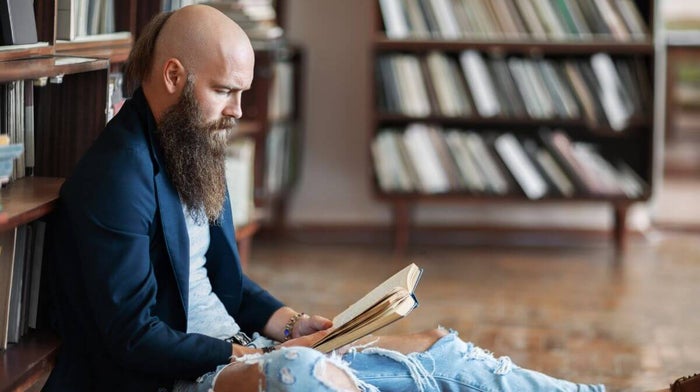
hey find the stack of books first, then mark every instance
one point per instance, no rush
(428, 159)
(560, 20)
(257, 17)
(600, 90)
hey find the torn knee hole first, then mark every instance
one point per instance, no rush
(335, 377)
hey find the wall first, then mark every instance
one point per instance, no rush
(334, 188)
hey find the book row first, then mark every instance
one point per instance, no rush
(82, 18)
(239, 170)
(601, 90)
(24, 247)
(618, 20)
(428, 159)
(17, 122)
(257, 17)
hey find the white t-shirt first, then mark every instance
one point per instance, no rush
(206, 313)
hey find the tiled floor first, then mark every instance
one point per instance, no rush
(580, 313)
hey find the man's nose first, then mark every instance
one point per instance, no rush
(233, 107)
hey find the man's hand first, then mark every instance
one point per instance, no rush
(307, 325)
(303, 325)
(307, 340)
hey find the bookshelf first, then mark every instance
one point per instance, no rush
(468, 97)
(682, 104)
(68, 80)
(68, 84)
(272, 105)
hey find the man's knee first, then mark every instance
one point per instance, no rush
(435, 334)
(336, 377)
(289, 369)
(240, 376)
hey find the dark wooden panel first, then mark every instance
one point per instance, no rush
(69, 116)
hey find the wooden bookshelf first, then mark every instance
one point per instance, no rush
(28, 199)
(24, 364)
(530, 47)
(68, 81)
(633, 145)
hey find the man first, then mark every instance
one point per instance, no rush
(149, 291)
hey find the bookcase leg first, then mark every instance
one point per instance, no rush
(402, 226)
(620, 228)
(279, 218)
(244, 246)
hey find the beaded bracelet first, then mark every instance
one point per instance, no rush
(268, 349)
(290, 325)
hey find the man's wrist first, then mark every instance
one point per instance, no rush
(238, 351)
(289, 327)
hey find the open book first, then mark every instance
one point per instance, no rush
(388, 302)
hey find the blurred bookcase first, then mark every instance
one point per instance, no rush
(484, 102)
(681, 23)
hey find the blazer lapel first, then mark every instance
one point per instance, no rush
(175, 234)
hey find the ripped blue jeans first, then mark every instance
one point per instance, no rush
(448, 365)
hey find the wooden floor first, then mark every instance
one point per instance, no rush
(581, 313)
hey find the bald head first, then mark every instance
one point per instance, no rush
(197, 35)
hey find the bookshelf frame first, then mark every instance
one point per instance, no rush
(640, 129)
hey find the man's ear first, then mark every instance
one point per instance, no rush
(174, 75)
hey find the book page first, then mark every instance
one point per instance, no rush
(395, 312)
(407, 279)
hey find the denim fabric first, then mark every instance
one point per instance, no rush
(451, 365)
(448, 365)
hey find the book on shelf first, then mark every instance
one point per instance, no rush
(394, 20)
(21, 256)
(17, 22)
(239, 160)
(480, 83)
(510, 97)
(616, 104)
(281, 165)
(17, 124)
(394, 169)
(521, 167)
(425, 158)
(390, 301)
(474, 179)
(450, 93)
(85, 20)
(281, 95)
(550, 168)
(257, 18)
(13, 327)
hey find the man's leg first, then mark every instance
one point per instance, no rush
(288, 369)
(438, 360)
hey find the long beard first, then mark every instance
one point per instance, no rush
(194, 156)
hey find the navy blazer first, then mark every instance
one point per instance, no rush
(120, 269)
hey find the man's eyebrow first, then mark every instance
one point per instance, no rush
(230, 87)
(224, 86)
